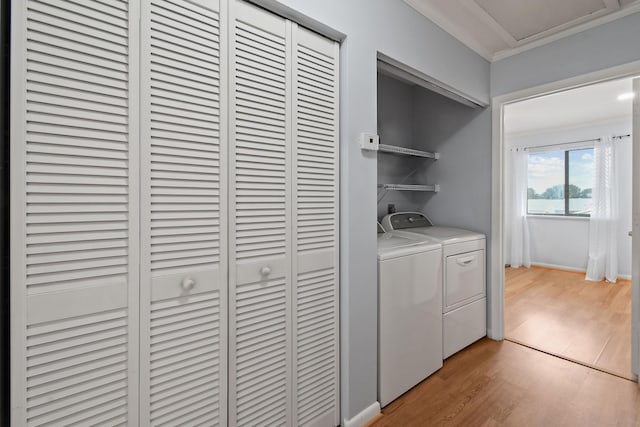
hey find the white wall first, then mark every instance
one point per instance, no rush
(559, 242)
(394, 29)
(564, 241)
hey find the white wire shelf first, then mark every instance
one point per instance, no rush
(411, 187)
(407, 151)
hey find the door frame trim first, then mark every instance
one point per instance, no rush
(495, 320)
(635, 231)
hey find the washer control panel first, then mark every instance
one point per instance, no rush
(404, 220)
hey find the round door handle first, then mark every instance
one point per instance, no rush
(265, 271)
(188, 284)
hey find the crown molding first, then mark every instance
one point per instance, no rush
(629, 10)
(488, 20)
(441, 21)
(468, 40)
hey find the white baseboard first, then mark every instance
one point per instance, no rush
(579, 270)
(363, 416)
(558, 267)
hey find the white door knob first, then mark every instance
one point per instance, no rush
(188, 284)
(265, 271)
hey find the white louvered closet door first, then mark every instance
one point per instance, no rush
(74, 214)
(183, 338)
(315, 154)
(283, 223)
(260, 219)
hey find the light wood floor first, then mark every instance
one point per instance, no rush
(506, 384)
(561, 313)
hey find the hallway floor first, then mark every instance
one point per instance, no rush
(495, 383)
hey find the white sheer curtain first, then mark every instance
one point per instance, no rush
(603, 248)
(520, 252)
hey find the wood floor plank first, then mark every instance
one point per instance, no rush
(495, 383)
(561, 313)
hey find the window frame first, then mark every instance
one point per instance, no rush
(566, 150)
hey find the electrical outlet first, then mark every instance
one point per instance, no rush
(369, 141)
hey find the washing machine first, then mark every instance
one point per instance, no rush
(409, 312)
(464, 303)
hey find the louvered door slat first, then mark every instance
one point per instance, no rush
(260, 334)
(75, 145)
(183, 289)
(75, 212)
(316, 266)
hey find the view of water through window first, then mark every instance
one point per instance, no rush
(548, 180)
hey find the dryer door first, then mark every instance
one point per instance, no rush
(464, 279)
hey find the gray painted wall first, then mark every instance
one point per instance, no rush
(396, 127)
(411, 116)
(462, 136)
(394, 29)
(606, 46)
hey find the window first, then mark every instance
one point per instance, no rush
(560, 182)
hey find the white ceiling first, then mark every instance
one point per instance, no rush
(592, 104)
(498, 28)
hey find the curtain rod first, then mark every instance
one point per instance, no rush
(576, 142)
(564, 143)
(621, 136)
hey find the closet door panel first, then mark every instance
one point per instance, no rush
(74, 208)
(184, 283)
(260, 219)
(316, 229)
